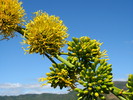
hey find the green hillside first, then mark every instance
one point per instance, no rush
(47, 96)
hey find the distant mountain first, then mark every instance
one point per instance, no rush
(69, 96)
(120, 84)
(44, 96)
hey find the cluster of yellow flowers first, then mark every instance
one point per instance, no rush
(45, 34)
(11, 15)
(58, 77)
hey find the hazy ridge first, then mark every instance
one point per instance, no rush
(69, 96)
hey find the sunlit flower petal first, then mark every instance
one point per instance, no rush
(11, 15)
(45, 34)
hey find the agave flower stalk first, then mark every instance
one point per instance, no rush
(86, 65)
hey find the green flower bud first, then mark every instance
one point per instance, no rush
(110, 84)
(52, 72)
(84, 51)
(87, 39)
(86, 92)
(56, 69)
(94, 50)
(77, 89)
(81, 82)
(84, 84)
(74, 49)
(94, 78)
(54, 65)
(109, 65)
(102, 92)
(48, 74)
(51, 68)
(92, 93)
(88, 55)
(96, 94)
(109, 69)
(92, 72)
(98, 88)
(79, 64)
(109, 76)
(78, 94)
(106, 80)
(128, 86)
(94, 83)
(84, 68)
(71, 43)
(69, 48)
(76, 40)
(92, 45)
(104, 86)
(80, 98)
(87, 76)
(90, 84)
(102, 98)
(102, 61)
(130, 83)
(89, 88)
(100, 81)
(80, 91)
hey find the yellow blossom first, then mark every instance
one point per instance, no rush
(45, 34)
(11, 15)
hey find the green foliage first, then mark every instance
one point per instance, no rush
(45, 96)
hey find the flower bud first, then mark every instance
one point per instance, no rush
(89, 88)
(104, 86)
(86, 92)
(98, 87)
(96, 94)
(76, 40)
(80, 98)
(80, 81)
(48, 74)
(102, 98)
(77, 89)
(70, 48)
(51, 68)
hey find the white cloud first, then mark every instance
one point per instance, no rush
(18, 89)
(10, 86)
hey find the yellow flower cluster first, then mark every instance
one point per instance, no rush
(11, 14)
(59, 76)
(58, 79)
(45, 34)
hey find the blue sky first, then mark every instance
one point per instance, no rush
(110, 21)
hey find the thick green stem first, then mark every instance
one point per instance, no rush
(64, 61)
(19, 29)
(50, 58)
(121, 98)
(63, 53)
